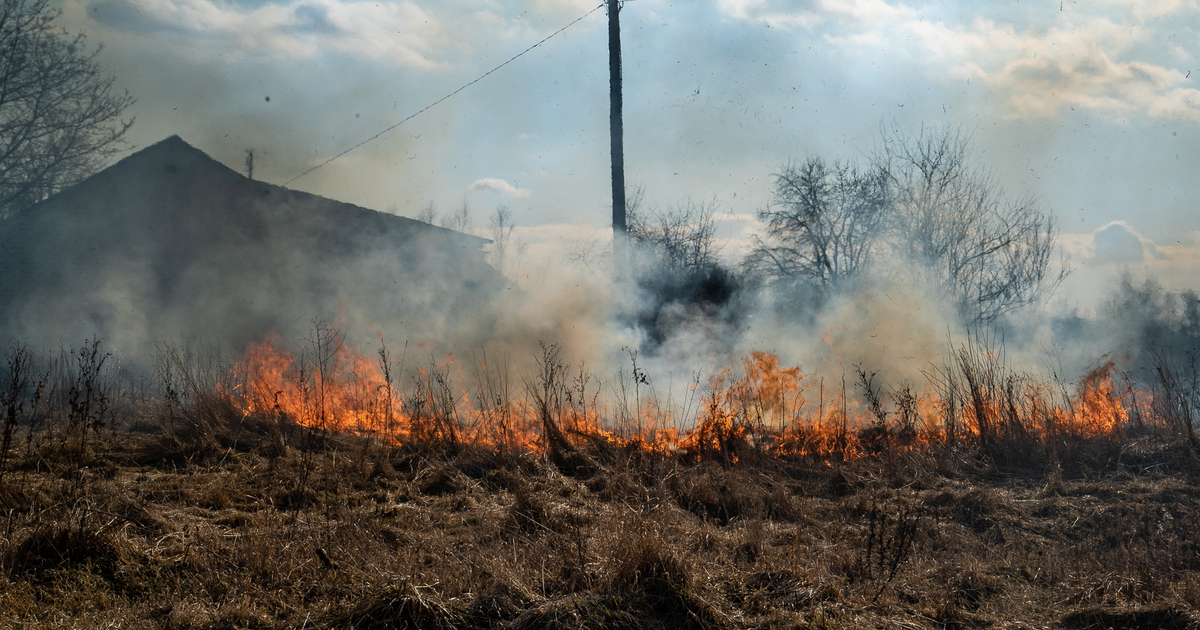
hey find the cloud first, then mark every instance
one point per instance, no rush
(813, 13)
(1060, 70)
(1110, 57)
(1119, 244)
(1097, 63)
(398, 33)
(499, 186)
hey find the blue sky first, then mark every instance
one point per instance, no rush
(1092, 106)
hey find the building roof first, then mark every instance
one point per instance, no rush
(170, 242)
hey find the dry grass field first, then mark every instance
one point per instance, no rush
(191, 508)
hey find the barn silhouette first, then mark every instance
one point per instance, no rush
(169, 243)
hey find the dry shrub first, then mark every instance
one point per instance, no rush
(648, 576)
(710, 492)
(503, 479)
(209, 430)
(646, 565)
(763, 592)
(476, 461)
(1165, 618)
(976, 508)
(583, 610)
(501, 601)
(13, 497)
(382, 471)
(441, 481)
(135, 515)
(751, 542)
(530, 512)
(620, 486)
(296, 499)
(238, 618)
(884, 544)
(60, 546)
(967, 588)
(406, 607)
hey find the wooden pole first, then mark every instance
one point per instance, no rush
(616, 136)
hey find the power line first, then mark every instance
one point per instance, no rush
(435, 103)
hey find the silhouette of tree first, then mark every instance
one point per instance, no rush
(922, 212)
(675, 255)
(825, 224)
(60, 119)
(967, 238)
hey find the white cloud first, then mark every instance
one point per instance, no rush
(1105, 56)
(499, 186)
(399, 33)
(812, 13)
(1118, 243)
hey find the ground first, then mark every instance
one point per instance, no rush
(146, 527)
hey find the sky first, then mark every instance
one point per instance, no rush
(1092, 107)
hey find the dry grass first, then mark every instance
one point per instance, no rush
(394, 538)
(184, 512)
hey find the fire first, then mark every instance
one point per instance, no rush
(340, 390)
(760, 405)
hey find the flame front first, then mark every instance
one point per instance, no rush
(759, 405)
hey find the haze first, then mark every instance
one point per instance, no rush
(1092, 106)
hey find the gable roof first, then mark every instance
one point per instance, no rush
(170, 242)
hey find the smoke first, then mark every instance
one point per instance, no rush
(169, 244)
(172, 246)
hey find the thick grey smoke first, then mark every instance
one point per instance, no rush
(169, 244)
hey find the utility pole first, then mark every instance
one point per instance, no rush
(616, 135)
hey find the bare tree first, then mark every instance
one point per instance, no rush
(969, 240)
(60, 119)
(825, 225)
(505, 248)
(681, 239)
(677, 268)
(461, 219)
(921, 210)
(429, 214)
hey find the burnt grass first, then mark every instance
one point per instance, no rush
(138, 530)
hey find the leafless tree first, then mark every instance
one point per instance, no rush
(60, 118)
(825, 225)
(921, 209)
(681, 239)
(461, 220)
(505, 248)
(989, 252)
(429, 214)
(678, 269)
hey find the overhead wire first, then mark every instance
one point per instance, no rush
(440, 100)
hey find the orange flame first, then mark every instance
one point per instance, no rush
(763, 407)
